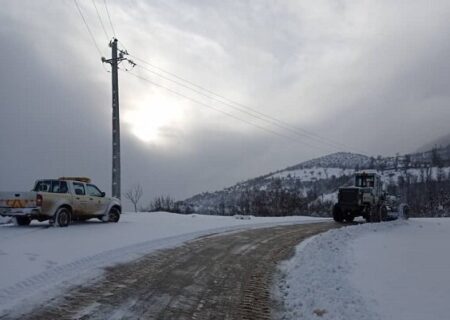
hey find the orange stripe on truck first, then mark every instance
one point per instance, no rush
(16, 203)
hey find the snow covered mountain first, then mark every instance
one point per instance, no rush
(279, 192)
(311, 187)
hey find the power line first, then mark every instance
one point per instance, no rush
(235, 105)
(100, 19)
(109, 18)
(256, 115)
(230, 103)
(245, 109)
(224, 98)
(223, 112)
(88, 29)
(215, 109)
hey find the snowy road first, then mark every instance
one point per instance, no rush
(225, 276)
(38, 262)
(396, 270)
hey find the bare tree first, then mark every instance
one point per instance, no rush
(134, 195)
(163, 203)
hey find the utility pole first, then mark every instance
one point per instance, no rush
(116, 57)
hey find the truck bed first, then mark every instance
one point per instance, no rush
(10, 200)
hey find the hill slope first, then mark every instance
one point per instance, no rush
(311, 187)
(344, 160)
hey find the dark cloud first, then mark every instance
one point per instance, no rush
(373, 75)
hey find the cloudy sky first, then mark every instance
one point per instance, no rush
(366, 76)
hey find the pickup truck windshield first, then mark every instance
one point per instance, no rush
(92, 190)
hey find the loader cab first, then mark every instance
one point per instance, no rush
(369, 180)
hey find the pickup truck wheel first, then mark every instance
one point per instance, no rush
(62, 217)
(22, 221)
(114, 215)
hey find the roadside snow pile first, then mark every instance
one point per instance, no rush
(405, 271)
(38, 258)
(4, 220)
(242, 217)
(395, 270)
(315, 282)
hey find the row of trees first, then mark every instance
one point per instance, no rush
(279, 197)
(437, 157)
(426, 190)
(427, 194)
(277, 200)
(161, 203)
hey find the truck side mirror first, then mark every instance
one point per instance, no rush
(103, 194)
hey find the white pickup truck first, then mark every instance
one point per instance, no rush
(60, 201)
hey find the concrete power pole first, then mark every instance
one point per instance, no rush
(116, 57)
(115, 122)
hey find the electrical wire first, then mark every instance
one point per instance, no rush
(100, 20)
(243, 108)
(88, 29)
(224, 112)
(257, 115)
(109, 18)
(213, 95)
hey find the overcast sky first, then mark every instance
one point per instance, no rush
(371, 75)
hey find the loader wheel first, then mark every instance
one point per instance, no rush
(367, 214)
(383, 214)
(374, 214)
(337, 213)
(62, 217)
(22, 221)
(349, 217)
(405, 212)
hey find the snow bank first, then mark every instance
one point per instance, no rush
(37, 258)
(4, 220)
(405, 271)
(396, 270)
(315, 283)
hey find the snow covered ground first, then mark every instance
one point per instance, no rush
(42, 259)
(396, 270)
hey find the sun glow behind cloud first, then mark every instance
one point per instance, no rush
(153, 118)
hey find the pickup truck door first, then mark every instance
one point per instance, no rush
(81, 202)
(98, 203)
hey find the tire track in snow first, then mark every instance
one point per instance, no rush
(58, 278)
(203, 279)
